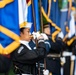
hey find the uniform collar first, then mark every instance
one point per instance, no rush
(26, 43)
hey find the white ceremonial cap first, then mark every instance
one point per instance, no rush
(26, 25)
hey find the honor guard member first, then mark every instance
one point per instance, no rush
(67, 53)
(53, 53)
(24, 57)
(41, 64)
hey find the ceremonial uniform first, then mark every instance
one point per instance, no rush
(24, 58)
(68, 54)
(53, 53)
(66, 67)
(53, 58)
(32, 44)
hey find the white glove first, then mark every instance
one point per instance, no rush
(63, 59)
(44, 36)
(73, 57)
(45, 72)
(36, 35)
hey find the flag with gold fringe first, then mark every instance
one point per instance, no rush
(33, 14)
(64, 17)
(9, 26)
(51, 13)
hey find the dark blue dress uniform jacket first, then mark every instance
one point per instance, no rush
(26, 59)
(53, 63)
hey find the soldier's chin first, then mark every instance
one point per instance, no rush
(31, 36)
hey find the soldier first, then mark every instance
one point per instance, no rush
(24, 57)
(67, 53)
(53, 53)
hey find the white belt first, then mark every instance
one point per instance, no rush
(53, 55)
(67, 53)
(24, 74)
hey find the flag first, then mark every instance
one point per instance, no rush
(4, 3)
(72, 25)
(52, 16)
(45, 5)
(55, 14)
(23, 11)
(36, 8)
(63, 18)
(9, 26)
(31, 16)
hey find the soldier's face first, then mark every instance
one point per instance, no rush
(47, 31)
(25, 35)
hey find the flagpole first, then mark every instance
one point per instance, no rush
(72, 61)
(35, 31)
(41, 22)
(41, 19)
(69, 11)
(34, 19)
(34, 15)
